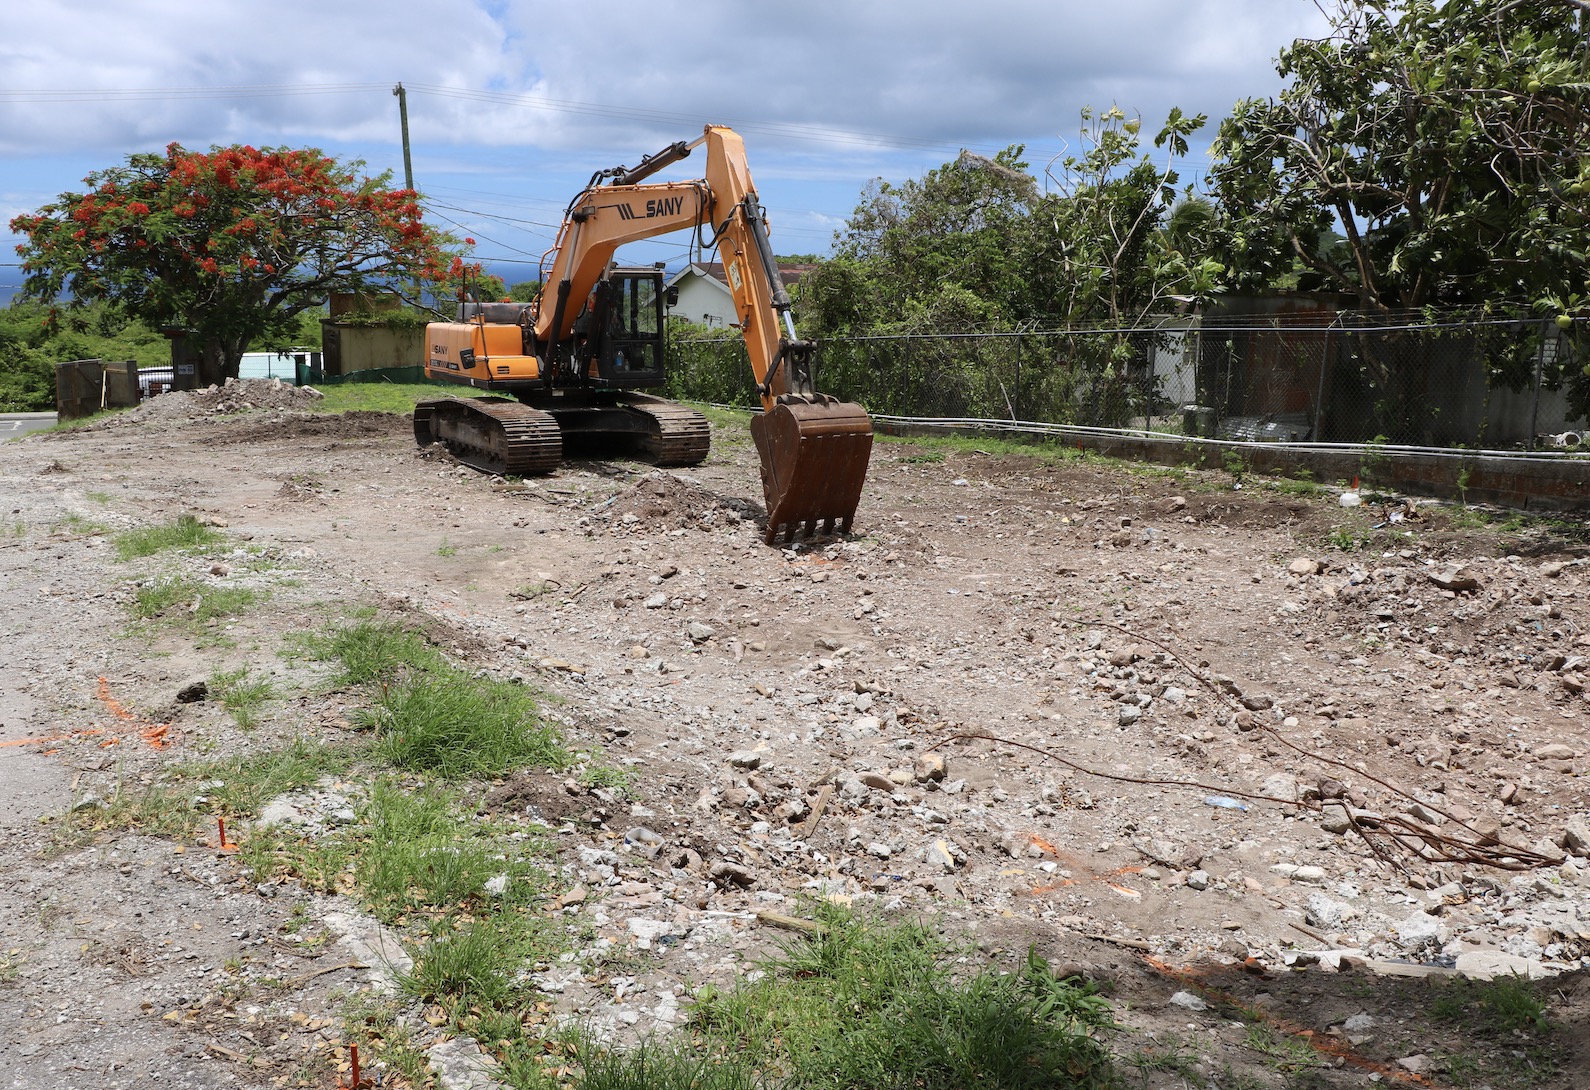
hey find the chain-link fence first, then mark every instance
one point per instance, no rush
(1330, 377)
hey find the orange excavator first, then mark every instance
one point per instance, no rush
(574, 361)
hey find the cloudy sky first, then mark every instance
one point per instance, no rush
(514, 103)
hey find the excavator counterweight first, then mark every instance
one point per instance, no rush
(576, 358)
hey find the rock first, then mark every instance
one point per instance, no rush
(1125, 657)
(1488, 964)
(461, 1064)
(866, 726)
(1554, 751)
(1188, 1001)
(1326, 912)
(746, 758)
(575, 895)
(1459, 579)
(929, 768)
(1417, 1064)
(656, 601)
(1281, 787)
(945, 854)
(877, 781)
(1257, 702)
(88, 802)
(193, 691)
(1576, 837)
(1420, 930)
(1198, 879)
(1334, 819)
(728, 874)
(699, 633)
(647, 932)
(1128, 714)
(1303, 566)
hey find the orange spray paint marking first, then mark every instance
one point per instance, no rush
(156, 735)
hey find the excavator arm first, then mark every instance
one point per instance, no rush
(813, 449)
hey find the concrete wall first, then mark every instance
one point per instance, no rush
(1533, 483)
(348, 348)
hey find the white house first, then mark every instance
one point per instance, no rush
(704, 292)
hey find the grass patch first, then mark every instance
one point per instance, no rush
(186, 532)
(454, 725)
(609, 777)
(1045, 451)
(1503, 1005)
(371, 651)
(241, 695)
(446, 548)
(421, 857)
(185, 599)
(384, 397)
(878, 1005)
(77, 524)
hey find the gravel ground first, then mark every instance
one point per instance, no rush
(1187, 738)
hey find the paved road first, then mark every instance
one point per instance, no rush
(15, 424)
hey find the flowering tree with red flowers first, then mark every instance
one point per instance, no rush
(231, 244)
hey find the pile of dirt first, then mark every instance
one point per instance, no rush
(663, 501)
(234, 396)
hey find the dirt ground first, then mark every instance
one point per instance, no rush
(1270, 769)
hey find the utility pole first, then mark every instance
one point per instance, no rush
(403, 115)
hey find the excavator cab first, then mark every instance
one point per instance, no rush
(627, 307)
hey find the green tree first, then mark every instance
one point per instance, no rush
(34, 337)
(1096, 252)
(233, 244)
(1445, 141)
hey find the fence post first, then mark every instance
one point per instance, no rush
(1319, 393)
(1534, 406)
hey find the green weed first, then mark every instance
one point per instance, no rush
(874, 1005)
(1348, 539)
(1505, 1004)
(374, 651)
(446, 548)
(241, 695)
(420, 855)
(184, 599)
(186, 532)
(454, 725)
(78, 525)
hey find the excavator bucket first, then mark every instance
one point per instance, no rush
(814, 462)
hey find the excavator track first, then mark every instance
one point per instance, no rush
(491, 434)
(680, 436)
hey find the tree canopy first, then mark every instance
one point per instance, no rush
(978, 244)
(231, 244)
(1445, 141)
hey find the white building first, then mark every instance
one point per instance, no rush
(704, 296)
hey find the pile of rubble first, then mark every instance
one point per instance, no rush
(234, 396)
